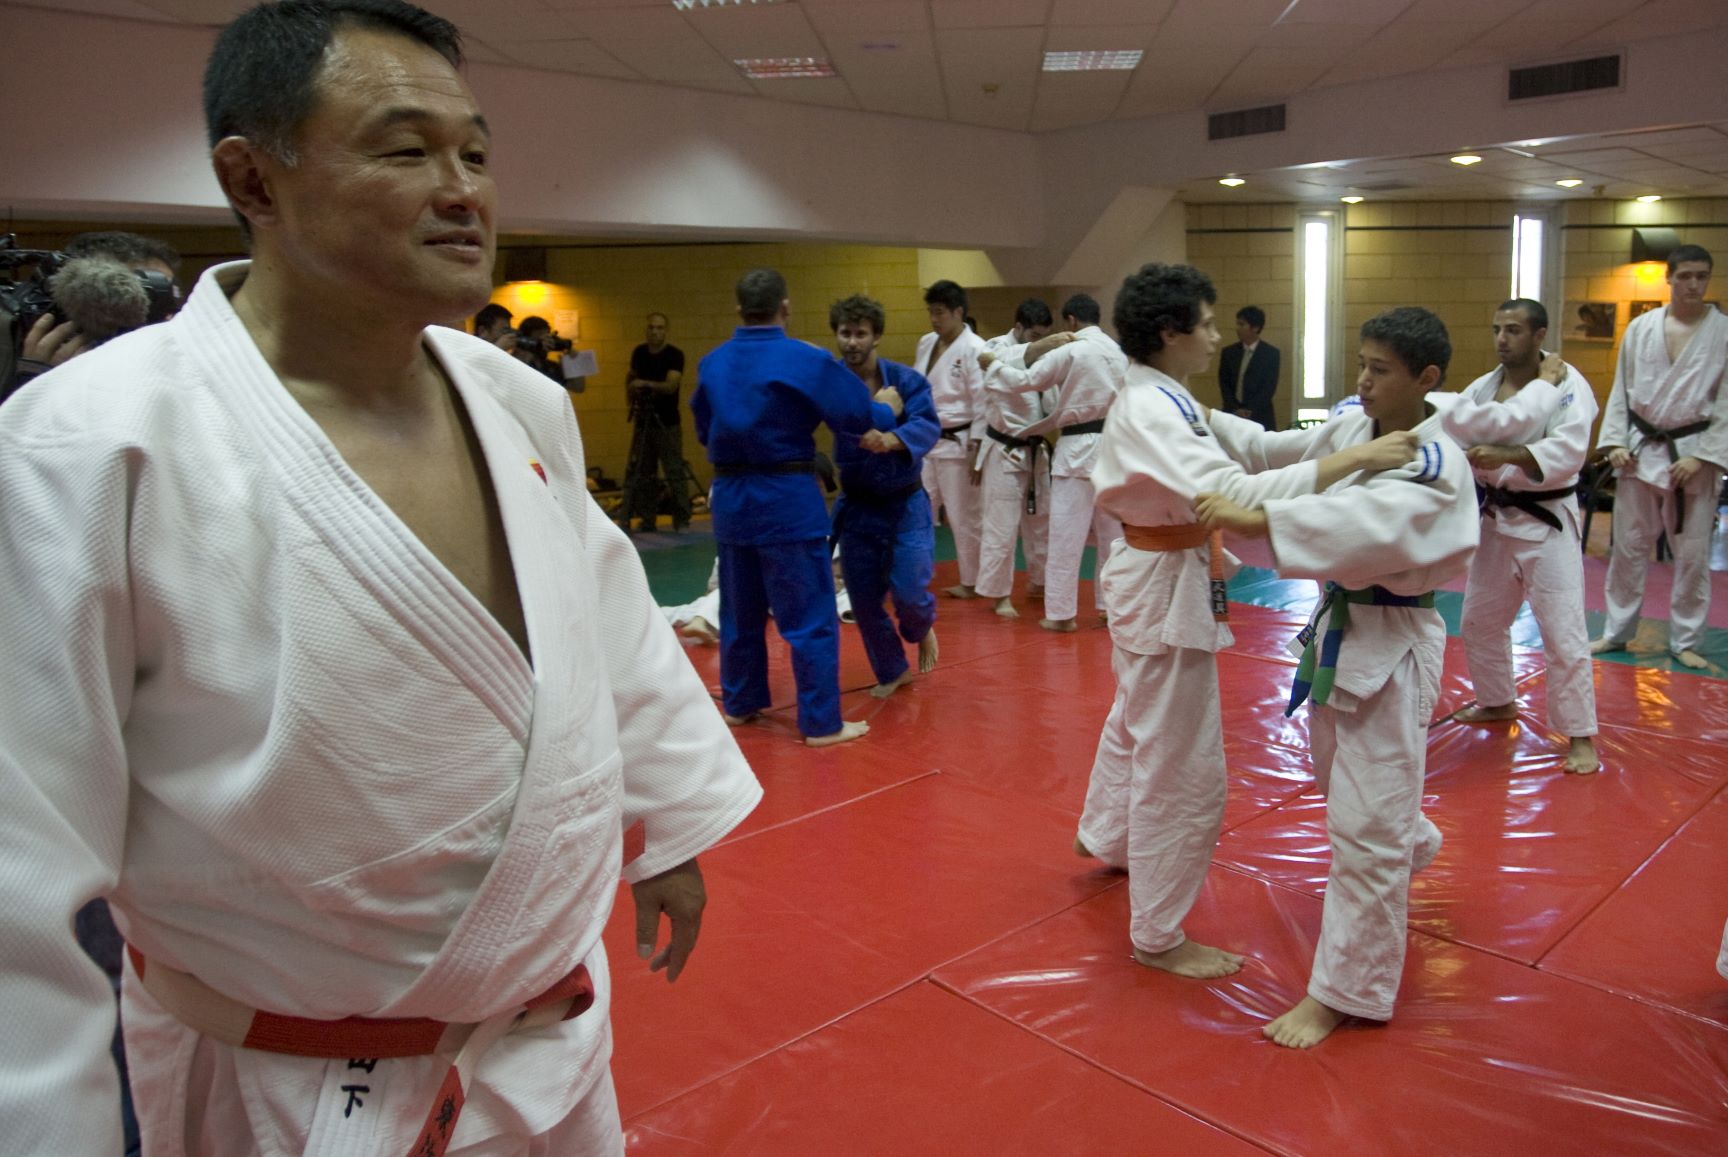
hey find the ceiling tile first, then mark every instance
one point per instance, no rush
(1096, 37)
(757, 31)
(1068, 99)
(578, 56)
(872, 16)
(1106, 12)
(989, 13)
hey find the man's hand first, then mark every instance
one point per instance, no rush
(506, 340)
(1553, 369)
(986, 360)
(1684, 469)
(1215, 511)
(1387, 452)
(679, 893)
(1244, 412)
(1619, 456)
(1045, 344)
(881, 442)
(890, 397)
(51, 345)
(1487, 457)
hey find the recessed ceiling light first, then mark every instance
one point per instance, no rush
(1466, 159)
(1650, 198)
(1569, 183)
(784, 67)
(1231, 182)
(1104, 60)
(1351, 200)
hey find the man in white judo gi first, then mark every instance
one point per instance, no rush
(327, 670)
(1666, 434)
(1085, 373)
(1013, 470)
(1155, 799)
(947, 356)
(1372, 659)
(1526, 429)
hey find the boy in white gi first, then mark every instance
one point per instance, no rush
(1155, 800)
(1527, 439)
(1380, 543)
(324, 667)
(1084, 372)
(1666, 434)
(947, 356)
(1013, 470)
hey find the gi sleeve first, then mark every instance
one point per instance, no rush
(66, 646)
(1491, 423)
(1258, 448)
(919, 427)
(1565, 444)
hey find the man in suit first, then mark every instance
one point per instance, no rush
(1248, 370)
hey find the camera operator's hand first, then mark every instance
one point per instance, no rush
(48, 345)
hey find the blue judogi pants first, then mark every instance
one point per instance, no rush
(795, 580)
(885, 551)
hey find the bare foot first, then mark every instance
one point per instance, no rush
(1476, 713)
(701, 630)
(740, 720)
(1692, 659)
(854, 729)
(1063, 625)
(928, 652)
(883, 690)
(1199, 961)
(1581, 756)
(1304, 1026)
(1080, 849)
(1605, 644)
(1005, 608)
(960, 591)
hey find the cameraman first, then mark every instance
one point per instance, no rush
(534, 343)
(51, 341)
(656, 370)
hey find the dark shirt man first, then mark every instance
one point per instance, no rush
(656, 372)
(1248, 371)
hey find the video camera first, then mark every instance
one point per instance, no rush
(542, 344)
(28, 298)
(100, 295)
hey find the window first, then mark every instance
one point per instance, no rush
(1319, 266)
(1527, 256)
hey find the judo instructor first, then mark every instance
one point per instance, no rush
(324, 668)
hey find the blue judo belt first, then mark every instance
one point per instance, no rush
(1318, 667)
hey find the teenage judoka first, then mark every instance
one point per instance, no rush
(882, 518)
(1085, 374)
(758, 401)
(947, 356)
(327, 672)
(1013, 470)
(1380, 543)
(1155, 799)
(1665, 430)
(1527, 439)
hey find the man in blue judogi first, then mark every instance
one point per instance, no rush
(882, 521)
(759, 399)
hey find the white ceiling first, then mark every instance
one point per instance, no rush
(978, 62)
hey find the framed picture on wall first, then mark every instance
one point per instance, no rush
(1640, 308)
(1590, 320)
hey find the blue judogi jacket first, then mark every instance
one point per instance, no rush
(863, 474)
(757, 402)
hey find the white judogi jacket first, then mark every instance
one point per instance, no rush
(957, 388)
(1408, 530)
(1086, 374)
(1669, 394)
(1011, 413)
(245, 703)
(1553, 422)
(1156, 453)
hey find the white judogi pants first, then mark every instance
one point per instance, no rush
(1722, 957)
(1074, 514)
(1550, 574)
(1641, 512)
(948, 482)
(1005, 518)
(1369, 763)
(1155, 802)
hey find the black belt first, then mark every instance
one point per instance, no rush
(1668, 438)
(1493, 498)
(1033, 444)
(882, 497)
(1096, 426)
(740, 469)
(952, 433)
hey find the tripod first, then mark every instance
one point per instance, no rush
(654, 446)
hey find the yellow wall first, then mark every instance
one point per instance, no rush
(1249, 252)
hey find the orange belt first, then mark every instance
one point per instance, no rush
(1186, 536)
(203, 1009)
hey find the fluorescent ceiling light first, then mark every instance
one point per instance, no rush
(1104, 60)
(784, 67)
(1231, 182)
(1466, 159)
(1650, 198)
(1569, 183)
(687, 5)
(1351, 200)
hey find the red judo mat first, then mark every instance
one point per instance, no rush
(902, 955)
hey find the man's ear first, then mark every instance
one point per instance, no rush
(243, 171)
(1429, 379)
